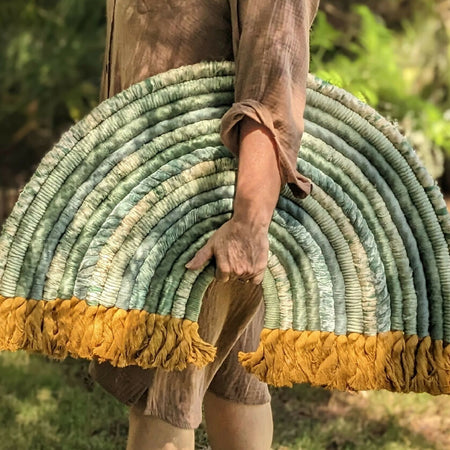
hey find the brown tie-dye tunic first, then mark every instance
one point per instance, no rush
(269, 42)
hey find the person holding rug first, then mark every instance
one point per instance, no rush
(269, 42)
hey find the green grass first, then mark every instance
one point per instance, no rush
(312, 418)
(48, 405)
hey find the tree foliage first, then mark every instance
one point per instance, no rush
(51, 53)
(402, 71)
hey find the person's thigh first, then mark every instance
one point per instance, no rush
(231, 381)
(176, 397)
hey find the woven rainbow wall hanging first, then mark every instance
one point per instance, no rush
(357, 291)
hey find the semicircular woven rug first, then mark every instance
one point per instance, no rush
(358, 282)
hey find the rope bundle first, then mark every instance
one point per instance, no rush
(358, 281)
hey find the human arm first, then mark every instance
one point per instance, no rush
(271, 46)
(263, 128)
(241, 245)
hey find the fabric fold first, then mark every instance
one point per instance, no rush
(300, 185)
(270, 77)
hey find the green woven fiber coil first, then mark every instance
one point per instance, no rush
(126, 197)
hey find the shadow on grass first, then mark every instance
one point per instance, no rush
(313, 418)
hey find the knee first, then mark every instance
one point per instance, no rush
(238, 426)
(151, 433)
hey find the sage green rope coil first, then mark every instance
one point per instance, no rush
(131, 192)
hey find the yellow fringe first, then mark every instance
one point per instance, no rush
(354, 362)
(61, 328)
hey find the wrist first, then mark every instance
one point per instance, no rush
(252, 212)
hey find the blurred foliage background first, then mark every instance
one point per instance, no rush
(51, 55)
(394, 54)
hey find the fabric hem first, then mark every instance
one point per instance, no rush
(299, 185)
(239, 401)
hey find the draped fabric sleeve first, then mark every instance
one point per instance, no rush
(271, 52)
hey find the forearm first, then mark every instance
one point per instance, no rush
(240, 246)
(259, 181)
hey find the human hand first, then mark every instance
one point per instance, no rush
(240, 250)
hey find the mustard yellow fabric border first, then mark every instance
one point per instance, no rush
(60, 328)
(355, 362)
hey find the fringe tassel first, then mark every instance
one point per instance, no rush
(60, 328)
(354, 362)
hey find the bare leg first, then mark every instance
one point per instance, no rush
(236, 426)
(151, 433)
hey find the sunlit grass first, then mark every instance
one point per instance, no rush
(48, 405)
